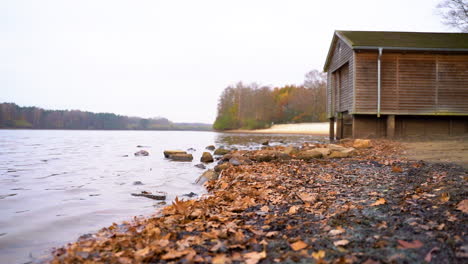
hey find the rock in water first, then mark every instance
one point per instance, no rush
(137, 183)
(362, 143)
(181, 157)
(206, 157)
(157, 196)
(142, 153)
(167, 153)
(200, 166)
(221, 151)
(222, 166)
(266, 143)
(207, 176)
(210, 147)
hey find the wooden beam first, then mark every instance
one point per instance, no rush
(332, 129)
(390, 126)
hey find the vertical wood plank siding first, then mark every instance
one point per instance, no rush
(412, 83)
(340, 71)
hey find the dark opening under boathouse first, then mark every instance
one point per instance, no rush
(397, 84)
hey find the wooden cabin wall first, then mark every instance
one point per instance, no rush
(412, 83)
(340, 79)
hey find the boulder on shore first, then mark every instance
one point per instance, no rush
(221, 151)
(342, 153)
(325, 151)
(210, 147)
(207, 176)
(141, 153)
(181, 157)
(362, 143)
(206, 157)
(309, 155)
(222, 166)
(167, 153)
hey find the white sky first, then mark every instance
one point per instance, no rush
(173, 58)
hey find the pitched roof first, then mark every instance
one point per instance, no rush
(423, 41)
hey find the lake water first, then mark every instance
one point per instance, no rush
(56, 185)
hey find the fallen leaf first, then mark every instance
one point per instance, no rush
(318, 254)
(406, 245)
(463, 206)
(219, 259)
(397, 169)
(380, 201)
(293, 209)
(265, 209)
(298, 245)
(428, 257)
(370, 261)
(337, 231)
(445, 197)
(342, 242)
(307, 197)
(254, 257)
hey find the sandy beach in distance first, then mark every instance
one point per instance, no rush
(319, 128)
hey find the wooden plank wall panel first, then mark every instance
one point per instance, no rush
(453, 84)
(412, 83)
(366, 82)
(342, 54)
(417, 83)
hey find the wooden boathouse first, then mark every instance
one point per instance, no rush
(397, 84)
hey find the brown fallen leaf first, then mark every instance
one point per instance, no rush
(318, 254)
(308, 197)
(428, 257)
(463, 206)
(397, 169)
(298, 245)
(265, 209)
(254, 257)
(342, 242)
(445, 197)
(380, 201)
(293, 209)
(337, 231)
(371, 261)
(406, 245)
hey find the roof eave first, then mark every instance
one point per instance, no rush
(407, 48)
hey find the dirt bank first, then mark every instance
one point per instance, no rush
(302, 128)
(374, 207)
(453, 150)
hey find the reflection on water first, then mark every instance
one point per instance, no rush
(57, 185)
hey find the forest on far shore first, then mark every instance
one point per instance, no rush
(14, 116)
(253, 106)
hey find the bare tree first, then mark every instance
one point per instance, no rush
(455, 13)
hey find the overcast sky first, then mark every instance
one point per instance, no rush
(173, 58)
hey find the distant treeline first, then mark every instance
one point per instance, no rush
(253, 106)
(14, 116)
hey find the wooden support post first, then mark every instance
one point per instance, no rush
(390, 126)
(339, 127)
(332, 129)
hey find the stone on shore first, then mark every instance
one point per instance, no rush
(210, 147)
(141, 153)
(181, 157)
(207, 176)
(221, 151)
(167, 153)
(309, 155)
(222, 166)
(362, 143)
(206, 157)
(290, 150)
(325, 151)
(343, 153)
